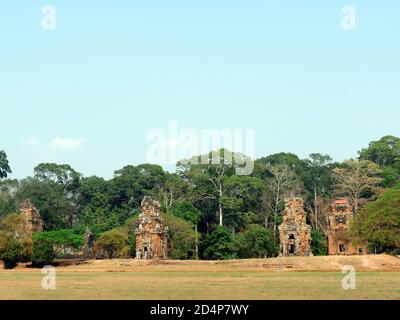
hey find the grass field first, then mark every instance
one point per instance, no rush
(250, 279)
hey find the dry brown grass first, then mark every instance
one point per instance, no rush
(294, 264)
(283, 278)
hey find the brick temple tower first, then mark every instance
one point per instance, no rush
(32, 216)
(294, 232)
(151, 235)
(339, 240)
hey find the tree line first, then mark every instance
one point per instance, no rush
(212, 212)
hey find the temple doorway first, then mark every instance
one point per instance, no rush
(292, 245)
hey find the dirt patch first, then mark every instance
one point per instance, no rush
(384, 263)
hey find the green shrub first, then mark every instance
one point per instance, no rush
(218, 245)
(181, 237)
(114, 243)
(12, 255)
(319, 244)
(132, 245)
(256, 242)
(15, 241)
(43, 254)
(60, 240)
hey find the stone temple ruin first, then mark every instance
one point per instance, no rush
(339, 240)
(151, 235)
(294, 232)
(35, 222)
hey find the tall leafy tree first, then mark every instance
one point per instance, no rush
(292, 161)
(95, 211)
(98, 220)
(319, 244)
(182, 237)
(4, 165)
(131, 183)
(49, 197)
(66, 179)
(355, 178)
(281, 173)
(241, 201)
(378, 223)
(318, 178)
(62, 174)
(385, 153)
(281, 181)
(8, 202)
(172, 191)
(207, 175)
(185, 210)
(93, 191)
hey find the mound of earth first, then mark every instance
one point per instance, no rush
(290, 264)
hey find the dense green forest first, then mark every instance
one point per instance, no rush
(212, 213)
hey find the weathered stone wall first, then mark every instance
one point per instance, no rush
(339, 240)
(151, 235)
(294, 233)
(32, 216)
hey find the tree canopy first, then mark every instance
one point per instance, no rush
(355, 178)
(4, 165)
(386, 154)
(378, 223)
(212, 209)
(15, 240)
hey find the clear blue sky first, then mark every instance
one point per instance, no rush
(88, 92)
